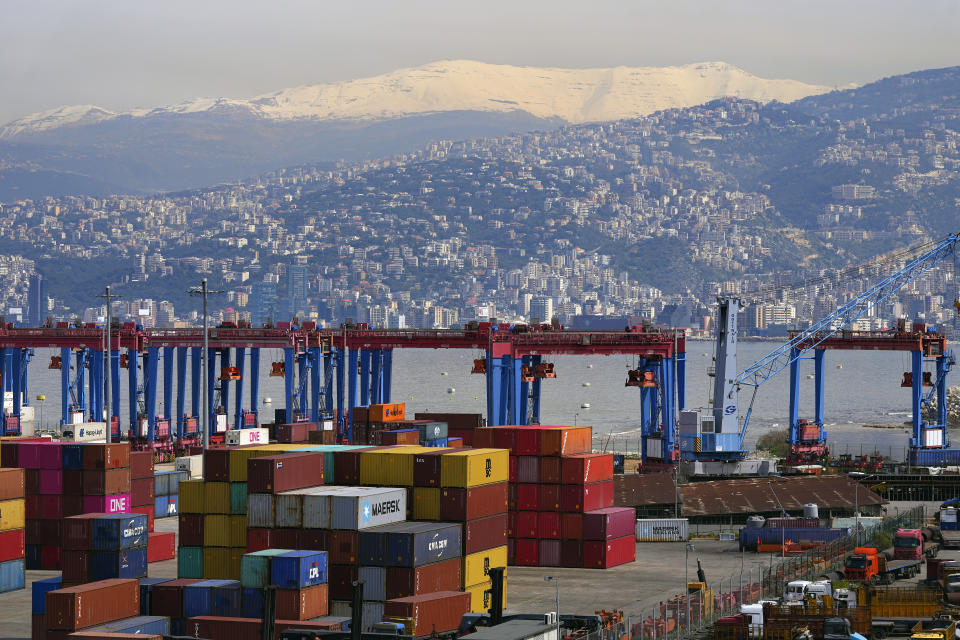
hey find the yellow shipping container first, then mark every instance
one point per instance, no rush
(480, 601)
(222, 563)
(12, 514)
(426, 503)
(477, 565)
(216, 531)
(238, 531)
(390, 467)
(216, 497)
(474, 467)
(191, 496)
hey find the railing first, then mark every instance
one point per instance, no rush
(724, 597)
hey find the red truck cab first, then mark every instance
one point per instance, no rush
(908, 544)
(862, 565)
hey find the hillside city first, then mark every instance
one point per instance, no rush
(597, 225)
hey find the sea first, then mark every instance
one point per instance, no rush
(862, 388)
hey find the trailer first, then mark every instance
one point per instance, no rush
(869, 566)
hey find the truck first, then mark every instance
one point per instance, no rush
(949, 524)
(869, 566)
(916, 544)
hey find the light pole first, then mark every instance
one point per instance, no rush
(205, 418)
(783, 533)
(40, 399)
(556, 583)
(108, 352)
(686, 578)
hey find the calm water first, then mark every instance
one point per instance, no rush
(862, 388)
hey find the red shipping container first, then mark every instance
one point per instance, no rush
(146, 510)
(609, 523)
(549, 498)
(50, 481)
(571, 553)
(403, 582)
(50, 557)
(216, 464)
(257, 539)
(38, 626)
(548, 526)
(431, 612)
(161, 546)
(341, 577)
(94, 603)
(11, 545)
(295, 432)
(512, 467)
(482, 533)
(219, 627)
(72, 505)
(322, 436)
(565, 441)
(460, 505)
(587, 468)
(586, 497)
(603, 554)
(31, 505)
(454, 443)
(314, 539)
(286, 472)
(465, 435)
(106, 456)
(551, 470)
(166, 598)
(302, 604)
(571, 526)
(526, 524)
(141, 491)
(526, 440)
(76, 565)
(528, 497)
(77, 531)
(286, 538)
(426, 468)
(549, 553)
(73, 482)
(191, 530)
(526, 552)
(103, 482)
(401, 436)
(464, 421)
(51, 532)
(344, 547)
(141, 464)
(51, 507)
(528, 468)
(486, 438)
(511, 551)
(512, 524)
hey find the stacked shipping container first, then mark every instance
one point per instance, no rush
(102, 546)
(12, 533)
(142, 485)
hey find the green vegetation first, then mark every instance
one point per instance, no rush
(773, 442)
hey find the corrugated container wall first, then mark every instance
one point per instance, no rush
(663, 530)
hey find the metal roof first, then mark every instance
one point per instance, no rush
(748, 495)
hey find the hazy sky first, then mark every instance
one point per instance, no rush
(131, 53)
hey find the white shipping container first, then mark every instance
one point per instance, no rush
(260, 510)
(288, 507)
(248, 436)
(84, 432)
(372, 613)
(663, 530)
(866, 522)
(528, 469)
(654, 448)
(316, 507)
(374, 583)
(364, 507)
(191, 464)
(948, 515)
(340, 608)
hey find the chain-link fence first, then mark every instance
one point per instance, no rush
(691, 615)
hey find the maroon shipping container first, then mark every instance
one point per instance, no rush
(286, 472)
(571, 526)
(526, 524)
(528, 468)
(302, 604)
(464, 421)
(76, 565)
(341, 577)
(51, 507)
(40, 455)
(216, 464)
(141, 491)
(399, 436)
(403, 582)
(94, 603)
(549, 497)
(51, 532)
(31, 505)
(141, 464)
(551, 470)
(38, 626)
(460, 505)
(50, 481)
(603, 554)
(191, 530)
(77, 531)
(548, 526)
(528, 497)
(484, 439)
(426, 468)
(511, 551)
(257, 539)
(314, 539)
(50, 557)
(609, 523)
(32, 481)
(587, 468)
(11, 545)
(431, 612)
(167, 598)
(161, 546)
(550, 555)
(147, 510)
(511, 524)
(286, 539)
(483, 533)
(512, 493)
(571, 553)
(218, 627)
(32, 528)
(526, 552)
(512, 475)
(346, 465)
(295, 432)
(72, 506)
(105, 482)
(73, 482)
(344, 547)
(586, 497)
(106, 456)
(322, 436)
(466, 435)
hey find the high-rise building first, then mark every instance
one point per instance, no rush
(297, 286)
(541, 307)
(37, 300)
(264, 303)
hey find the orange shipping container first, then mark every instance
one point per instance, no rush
(392, 412)
(565, 441)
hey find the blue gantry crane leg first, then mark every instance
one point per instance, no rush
(387, 376)
(181, 392)
(255, 383)
(150, 374)
(168, 367)
(241, 364)
(196, 384)
(365, 355)
(133, 360)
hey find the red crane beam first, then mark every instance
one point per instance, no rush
(931, 344)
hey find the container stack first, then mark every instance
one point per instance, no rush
(369, 421)
(300, 578)
(561, 499)
(166, 486)
(97, 608)
(459, 425)
(141, 485)
(38, 610)
(12, 532)
(103, 546)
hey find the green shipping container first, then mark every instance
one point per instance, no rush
(238, 498)
(190, 562)
(255, 568)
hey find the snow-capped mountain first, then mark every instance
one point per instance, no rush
(570, 95)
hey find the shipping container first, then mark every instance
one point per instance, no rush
(565, 441)
(586, 468)
(426, 503)
(749, 538)
(314, 539)
(142, 491)
(39, 590)
(402, 582)
(795, 523)
(485, 533)
(551, 470)
(166, 506)
(398, 436)
(548, 497)
(162, 545)
(527, 524)
(258, 539)
(527, 469)
(75, 565)
(374, 582)
(211, 597)
(255, 567)
(216, 497)
(12, 545)
(167, 598)
(111, 532)
(125, 563)
(476, 566)
(301, 604)
(140, 625)
(434, 612)
(286, 472)
(549, 525)
(295, 432)
(141, 464)
(347, 464)
(40, 455)
(90, 604)
(298, 569)
(72, 482)
(474, 467)
(549, 554)
(609, 523)
(222, 563)
(526, 552)
(238, 498)
(192, 494)
(603, 554)
(390, 412)
(341, 579)
(106, 456)
(251, 602)
(528, 497)
(190, 562)
(344, 547)
(116, 503)
(586, 497)
(663, 530)
(457, 504)
(426, 468)
(12, 575)
(241, 437)
(12, 514)
(50, 481)
(12, 484)
(365, 507)
(571, 553)
(571, 526)
(481, 596)
(454, 420)
(392, 467)
(191, 529)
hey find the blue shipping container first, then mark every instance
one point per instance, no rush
(128, 563)
(72, 456)
(212, 598)
(372, 545)
(11, 575)
(934, 457)
(439, 442)
(165, 506)
(149, 625)
(299, 569)
(161, 483)
(433, 431)
(146, 593)
(40, 590)
(178, 626)
(750, 537)
(251, 603)
(413, 544)
(119, 531)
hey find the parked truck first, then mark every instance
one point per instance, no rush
(916, 544)
(870, 566)
(949, 524)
